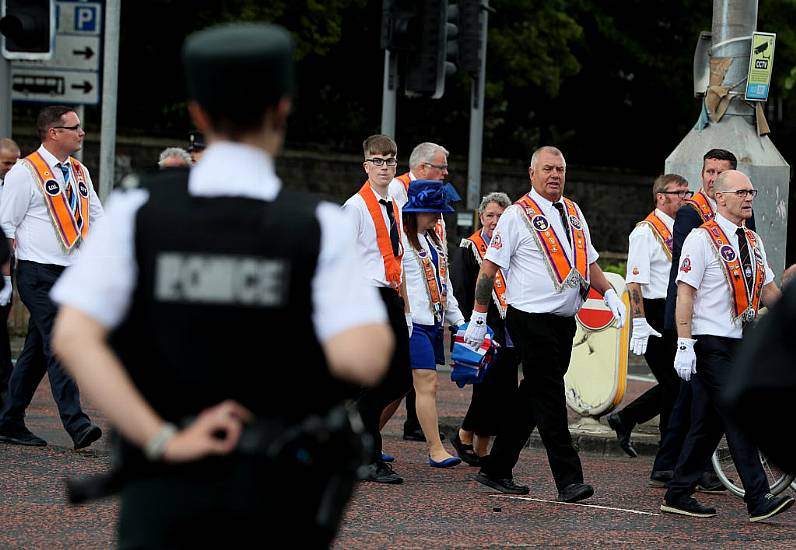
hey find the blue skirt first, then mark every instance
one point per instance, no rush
(426, 349)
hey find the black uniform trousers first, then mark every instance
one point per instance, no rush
(715, 355)
(660, 358)
(544, 342)
(489, 404)
(34, 281)
(398, 380)
(5, 351)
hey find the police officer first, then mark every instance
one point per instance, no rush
(543, 241)
(214, 335)
(196, 145)
(649, 260)
(9, 155)
(723, 276)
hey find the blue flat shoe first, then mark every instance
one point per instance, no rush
(387, 458)
(447, 463)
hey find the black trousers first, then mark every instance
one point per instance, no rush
(489, 404)
(5, 351)
(34, 282)
(398, 380)
(660, 357)
(544, 342)
(714, 362)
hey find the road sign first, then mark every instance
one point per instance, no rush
(71, 76)
(54, 86)
(761, 64)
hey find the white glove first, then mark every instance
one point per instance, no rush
(408, 317)
(685, 360)
(641, 333)
(476, 330)
(616, 306)
(5, 293)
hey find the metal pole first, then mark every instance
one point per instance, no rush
(110, 83)
(389, 95)
(6, 112)
(477, 122)
(734, 21)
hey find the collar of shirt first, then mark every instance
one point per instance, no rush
(667, 221)
(386, 197)
(51, 159)
(728, 227)
(234, 170)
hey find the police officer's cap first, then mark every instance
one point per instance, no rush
(236, 63)
(196, 141)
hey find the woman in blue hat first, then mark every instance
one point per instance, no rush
(428, 285)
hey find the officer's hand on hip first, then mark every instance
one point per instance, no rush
(616, 306)
(476, 330)
(685, 359)
(214, 432)
(641, 333)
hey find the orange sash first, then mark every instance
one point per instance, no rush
(69, 228)
(405, 179)
(439, 229)
(746, 301)
(660, 231)
(437, 293)
(701, 204)
(392, 264)
(561, 269)
(478, 245)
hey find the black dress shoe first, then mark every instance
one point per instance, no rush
(414, 435)
(575, 492)
(769, 506)
(23, 437)
(660, 479)
(504, 485)
(87, 436)
(623, 431)
(687, 506)
(465, 451)
(709, 482)
(381, 472)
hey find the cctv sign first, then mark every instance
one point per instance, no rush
(761, 63)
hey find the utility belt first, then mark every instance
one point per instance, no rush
(337, 440)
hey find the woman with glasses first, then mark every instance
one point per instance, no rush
(425, 266)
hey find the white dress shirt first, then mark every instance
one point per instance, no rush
(24, 215)
(367, 244)
(700, 268)
(529, 285)
(396, 189)
(102, 282)
(647, 262)
(417, 291)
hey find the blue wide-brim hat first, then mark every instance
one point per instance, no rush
(430, 196)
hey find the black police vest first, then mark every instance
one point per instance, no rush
(223, 303)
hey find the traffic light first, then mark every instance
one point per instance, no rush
(399, 25)
(28, 27)
(451, 40)
(425, 64)
(470, 38)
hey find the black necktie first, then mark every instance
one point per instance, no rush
(746, 263)
(393, 228)
(560, 208)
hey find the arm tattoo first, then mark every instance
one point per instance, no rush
(635, 296)
(483, 289)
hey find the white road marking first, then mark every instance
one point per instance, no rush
(639, 512)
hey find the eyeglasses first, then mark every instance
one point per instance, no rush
(437, 166)
(741, 193)
(681, 194)
(381, 162)
(73, 128)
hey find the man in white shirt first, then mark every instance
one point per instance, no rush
(544, 243)
(47, 209)
(9, 155)
(649, 261)
(377, 218)
(722, 279)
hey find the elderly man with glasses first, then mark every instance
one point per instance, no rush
(49, 206)
(649, 261)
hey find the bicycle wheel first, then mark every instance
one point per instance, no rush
(778, 480)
